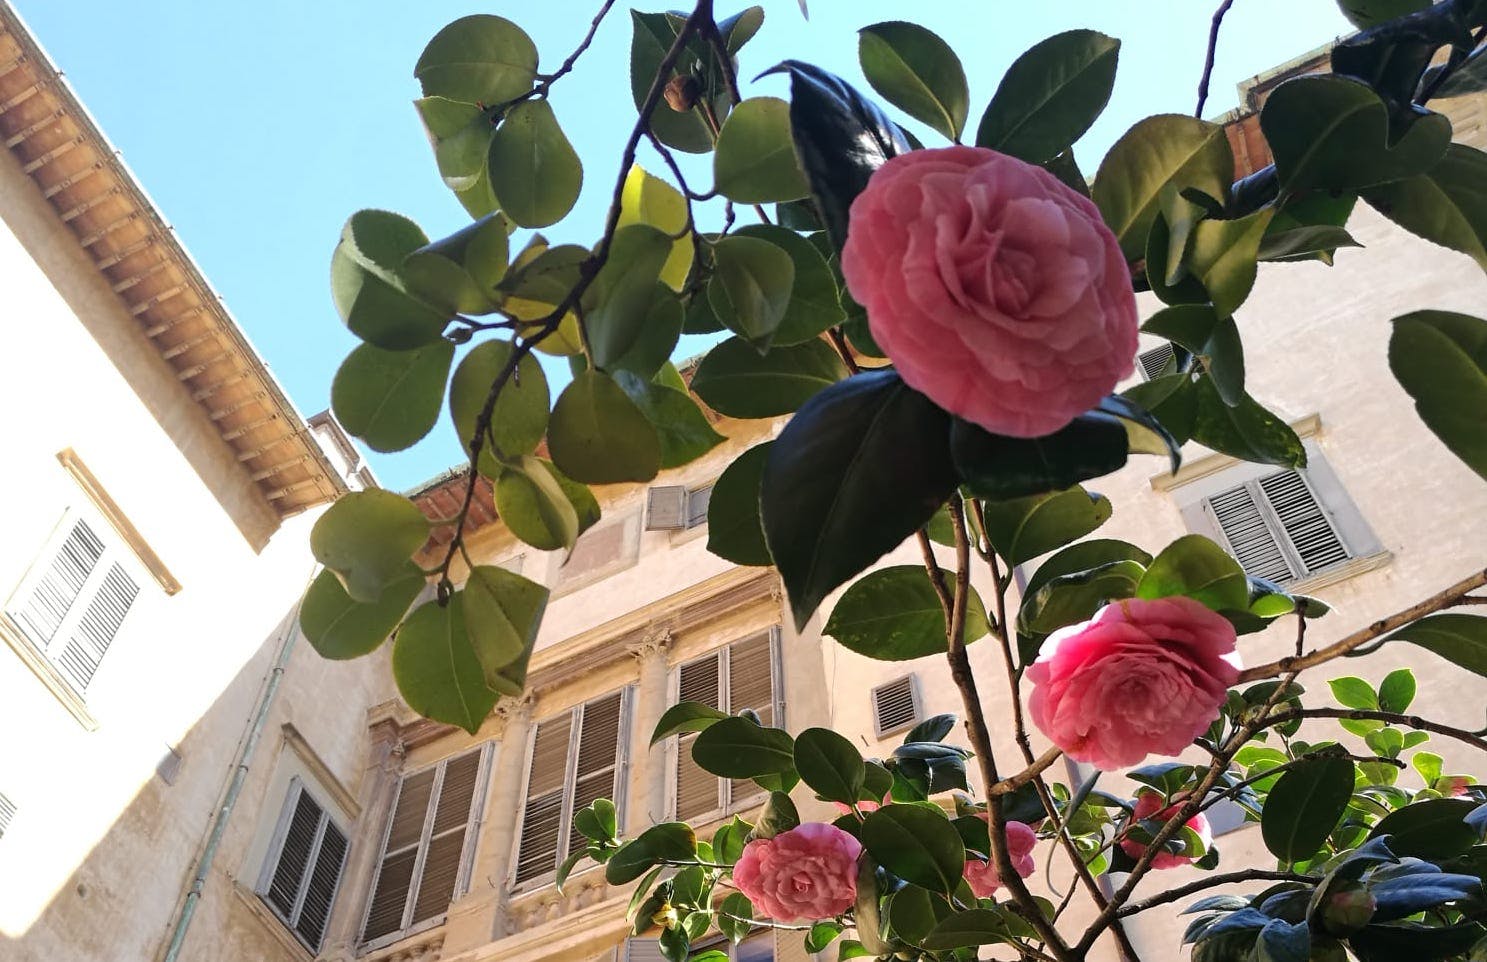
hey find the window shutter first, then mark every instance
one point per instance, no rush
(1306, 525)
(697, 502)
(599, 758)
(1154, 362)
(643, 950)
(750, 685)
(7, 812)
(294, 855)
(1251, 540)
(306, 868)
(696, 790)
(41, 613)
(400, 853)
(789, 946)
(321, 890)
(542, 816)
(665, 507)
(97, 627)
(895, 706)
(446, 846)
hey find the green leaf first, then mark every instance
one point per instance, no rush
(1024, 528)
(750, 286)
(686, 716)
(866, 910)
(481, 59)
(436, 669)
(366, 538)
(482, 249)
(339, 628)
(1446, 205)
(681, 427)
(671, 841)
(460, 135)
(917, 72)
(1440, 359)
(893, 614)
(1195, 567)
(911, 913)
(1224, 255)
(520, 417)
(1370, 13)
(1168, 150)
(734, 915)
(1304, 806)
(736, 380)
(861, 466)
(916, 843)
(597, 821)
(651, 200)
(1431, 829)
(1083, 557)
(815, 302)
(599, 436)
(532, 504)
(1198, 329)
(778, 815)
(738, 748)
(754, 161)
(618, 303)
(585, 505)
(1050, 96)
(502, 614)
(1460, 639)
(1244, 430)
(821, 935)
(969, 928)
(368, 291)
(391, 399)
(1353, 692)
(534, 171)
(1301, 243)
(660, 331)
(1072, 598)
(830, 765)
(1333, 132)
(734, 530)
(653, 35)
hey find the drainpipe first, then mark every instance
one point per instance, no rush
(234, 788)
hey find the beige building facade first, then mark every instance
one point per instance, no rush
(199, 785)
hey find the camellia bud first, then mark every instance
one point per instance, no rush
(1348, 910)
(681, 93)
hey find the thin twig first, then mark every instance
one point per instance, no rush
(1393, 718)
(1012, 783)
(1213, 46)
(545, 83)
(1216, 797)
(1211, 881)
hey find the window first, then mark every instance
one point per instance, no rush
(429, 843)
(896, 706)
(575, 758)
(1154, 363)
(761, 945)
(73, 602)
(675, 507)
(743, 675)
(1277, 528)
(7, 812)
(304, 866)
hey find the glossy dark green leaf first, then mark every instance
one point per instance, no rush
(659, 333)
(1195, 567)
(840, 137)
(435, 666)
(599, 436)
(532, 504)
(671, 841)
(1434, 828)
(1333, 132)
(1224, 257)
(1213, 340)
(686, 716)
(894, 614)
(339, 628)
(391, 399)
(734, 917)
(502, 612)
(1084, 556)
(618, 304)
(366, 287)
(1050, 96)
(1301, 243)
(754, 161)
(1446, 205)
(830, 765)
(917, 72)
(969, 928)
(778, 815)
(736, 380)
(1168, 150)
(682, 429)
(916, 843)
(534, 170)
(653, 34)
(750, 287)
(1304, 806)
(366, 539)
(480, 59)
(1370, 13)
(1244, 430)
(1021, 529)
(520, 416)
(1440, 359)
(734, 530)
(1459, 638)
(861, 467)
(866, 911)
(821, 935)
(738, 748)
(815, 303)
(1072, 598)
(1392, 57)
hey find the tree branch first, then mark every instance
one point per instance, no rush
(1211, 881)
(1393, 718)
(1213, 46)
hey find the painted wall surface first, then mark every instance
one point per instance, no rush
(97, 858)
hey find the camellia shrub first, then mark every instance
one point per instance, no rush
(946, 325)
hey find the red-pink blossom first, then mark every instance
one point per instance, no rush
(1144, 676)
(806, 874)
(983, 877)
(993, 287)
(1149, 806)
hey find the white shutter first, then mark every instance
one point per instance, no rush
(389, 900)
(1310, 532)
(1277, 528)
(643, 950)
(1251, 540)
(446, 839)
(665, 507)
(895, 706)
(542, 815)
(41, 612)
(597, 770)
(1153, 362)
(696, 791)
(302, 876)
(7, 812)
(697, 502)
(95, 630)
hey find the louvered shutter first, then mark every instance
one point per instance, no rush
(696, 789)
(697, 502)
(895, 706)
(446, 844)
(306, 868)
(665, 507)
(7, 812)
(320, 891)
(789, 946)
(596, 774)
(1307, 527)
(1251, 540)
(1153, 362)
(41, 613)
(750, 685)
(294, 855)
(542, 816)
(400, 854)
(643, 950)
(96, 629)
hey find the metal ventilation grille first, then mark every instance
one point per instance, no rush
(1310, 531)
(1251, 540)
(1154, 361)
(7, 812)
(894, 706)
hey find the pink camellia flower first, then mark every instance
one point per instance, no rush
(993, 287)
(1453, 785)
(806, 874)
(1149, 805)
(982, 876)
(1141, 677)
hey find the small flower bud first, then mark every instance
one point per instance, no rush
(682, 93)
(1348, 910)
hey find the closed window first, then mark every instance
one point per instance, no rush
(741, 676)
(1277, 528)
(575, 758)
(428, 846)
(304, 866)
(1155, 362)
(896, 706)
(7, 812)
(74, 600)
(676, 507)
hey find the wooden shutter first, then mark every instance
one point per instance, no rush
(1154, 362)
(1251, 539)
(400, 854)
(789, 946)
(1307, 527)
(895, 706)
(697, 502)
(751, 685)
(307, 867)
(600, 754)
(453, 815)
(643, 950)
(7, 812)
(320, 890)
(665, 507)
(696, 790)
(542, 816)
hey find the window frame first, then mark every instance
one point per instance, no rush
(472, 828)
(726, 807)
(1280, 535)
(570, 785)
(275, 853)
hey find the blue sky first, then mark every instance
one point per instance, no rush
(258, 127)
